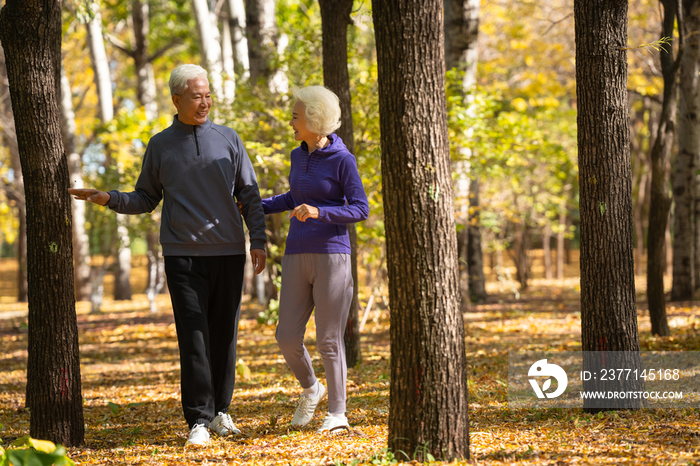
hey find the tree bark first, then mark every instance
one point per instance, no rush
(239, 41)
(461, 52)
(686, 240)
(335, 19)
(81, 241)
(30, 31)
(262, 35)
(209, 45)
(146, 91)
(608, 307)
(428, 390)
(16, 190)
(660, 165)
(475, 258)
(547, 251)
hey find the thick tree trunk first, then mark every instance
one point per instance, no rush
(428, 392)
(146, 91)
(16, 191)
(261, 31)
(686, 189)
(81, 241)
(209, 45)
(30, 32)
(335, 19)
(608, 307)
(660, 165)
(236, 11)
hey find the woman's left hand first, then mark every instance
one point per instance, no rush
(304, 212)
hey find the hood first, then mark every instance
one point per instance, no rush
(336, 145)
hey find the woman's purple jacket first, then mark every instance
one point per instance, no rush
(326, 179)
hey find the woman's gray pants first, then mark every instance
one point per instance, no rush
(323, 281)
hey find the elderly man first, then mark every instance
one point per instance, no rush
(199, 169)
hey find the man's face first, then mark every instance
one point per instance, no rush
(194, 103)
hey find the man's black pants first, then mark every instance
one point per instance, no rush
(206, 296)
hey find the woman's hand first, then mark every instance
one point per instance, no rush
(304, 212)
(92, 195)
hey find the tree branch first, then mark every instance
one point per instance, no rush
(160, 52)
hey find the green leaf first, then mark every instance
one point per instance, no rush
(114, 407)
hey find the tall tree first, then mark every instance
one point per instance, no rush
(207, 26)
(461, 53)
(608, 307)
(146, 90)
(15, 191)
(335, 19)
(660, 165)
(685, 235)
(30, 32)
(261, 31)
(236, 11)
(428, 392)
(81, 241)
(103, 82)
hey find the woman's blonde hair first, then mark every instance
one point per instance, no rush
(322, 108)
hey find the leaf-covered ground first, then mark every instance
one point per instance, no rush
(131, 394)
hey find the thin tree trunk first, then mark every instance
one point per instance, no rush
(639, 219)
(81, 241)
(209, 45)
(660, 163)
(608, 303)
(547, 251)
(428, 392)
(239, 41)
(146, 91)
(560, 246)
(100, 65)
(30, 32)
(475, 258)
(521, 246)
(227, 61)
(335, 19)
(261, 31)
(16, 190)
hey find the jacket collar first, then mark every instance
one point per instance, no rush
(335, 145)
(189, 129)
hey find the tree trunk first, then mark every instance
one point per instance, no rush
(461, 33)
(686, 194)
(227, 61)
(639, 219)
(100, 65)
(335, 19)
(236, 17)
(261, 31)
(146, 91)
(428, 392)
(209, 45)
(660, 164)
(521, 246)
(81, 241)
(608, 307)
(30, 32)
(475, 258)
(560, 246)
(547, 251)
(16, 190)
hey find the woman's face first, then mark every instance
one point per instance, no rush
(298, 123)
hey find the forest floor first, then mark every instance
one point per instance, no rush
(130, 374)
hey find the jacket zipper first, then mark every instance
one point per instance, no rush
(196, 141)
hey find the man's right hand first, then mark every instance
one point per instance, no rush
(92, 195)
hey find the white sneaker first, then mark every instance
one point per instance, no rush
(199, 436)
(334, 424)
(306, 408)
(223, 425)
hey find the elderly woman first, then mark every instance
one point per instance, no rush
(325, 195)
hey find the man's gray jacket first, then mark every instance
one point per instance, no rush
(199, 172)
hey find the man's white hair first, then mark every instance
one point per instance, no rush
(322, 109)
(183, 73)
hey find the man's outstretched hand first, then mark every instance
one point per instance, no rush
(92, 195)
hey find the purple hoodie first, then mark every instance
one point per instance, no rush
(326, 179)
